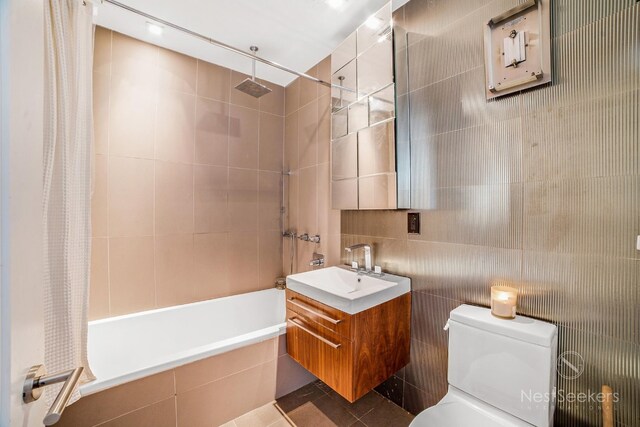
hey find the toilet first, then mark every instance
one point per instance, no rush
(501, 372)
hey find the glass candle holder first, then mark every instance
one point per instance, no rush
(503, 301)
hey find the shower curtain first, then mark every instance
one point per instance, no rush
(68, 138)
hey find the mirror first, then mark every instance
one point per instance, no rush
(376, 149)
(375, 28)
(375, 67)
(345, 78)
(382, 105)
(344, 152)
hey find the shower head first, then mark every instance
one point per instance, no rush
(250, 86)
(253, 88)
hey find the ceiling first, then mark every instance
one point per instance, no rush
(295, 33)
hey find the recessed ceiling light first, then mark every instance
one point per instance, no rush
(154, 29)
(373, 22)
(336, 4)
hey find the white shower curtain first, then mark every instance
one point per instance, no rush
(68, 138)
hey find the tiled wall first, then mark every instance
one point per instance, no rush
(207, 393)
(188, 186)
(306, 157)
(539, 189)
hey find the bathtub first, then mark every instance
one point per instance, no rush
(126, 348)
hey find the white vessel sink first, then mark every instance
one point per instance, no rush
(347, 290)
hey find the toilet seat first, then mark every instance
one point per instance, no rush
(458, 409)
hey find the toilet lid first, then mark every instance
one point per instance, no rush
(457, 414)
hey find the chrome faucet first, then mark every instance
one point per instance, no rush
(367, 254)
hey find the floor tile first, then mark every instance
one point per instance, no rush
(361, 406)
(297, 398)
(317, 405)
(387, 415)
(392, 389)
(323, 412)
(264, 416)
(335, 411)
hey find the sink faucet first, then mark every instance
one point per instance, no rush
(367, 254)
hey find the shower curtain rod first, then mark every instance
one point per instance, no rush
(223, 45)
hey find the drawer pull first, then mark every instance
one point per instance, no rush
(301, 325)
(310, 309)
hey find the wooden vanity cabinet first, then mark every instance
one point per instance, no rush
(351, 353)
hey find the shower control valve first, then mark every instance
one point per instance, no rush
(317, 261)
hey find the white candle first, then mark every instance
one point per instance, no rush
(503, 301)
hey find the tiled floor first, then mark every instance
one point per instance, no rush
(316, 405)
(265, 416)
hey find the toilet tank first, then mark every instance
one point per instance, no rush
(509, 364)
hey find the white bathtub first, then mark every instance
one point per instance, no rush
(125, 348)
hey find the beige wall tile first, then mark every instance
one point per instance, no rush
(243, 262)
(286, 258)
(291, 142)
(324, 128)
(270, 257)
(109, 404)
(332, 249)
(133, 60)
(102, 51)
(324, 73)
(99, 280)
(328, 219)
(308, 89)
(282, 344)
(99, 219)
(290, 376)
(273, 102)
(175, 127)
(165, 137)
(174, 269)
(269, 200)
(173, 198)
(211, 369)
(177, 71)
(213, 81)
(308, 201)
(210, 199)
(240, 98)
(243, 137)
(293, 190)
(212, 132)
(292, 96)
(161, 414)
(131, 274)
(304, 256)
(211, 278)
(132, 114)
(243, 200)
(130, 206)
(271, 142)
(101, 95)
(227, 398)
(308, 135)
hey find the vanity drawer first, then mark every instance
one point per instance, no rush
(322, 352)
(329, 317)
